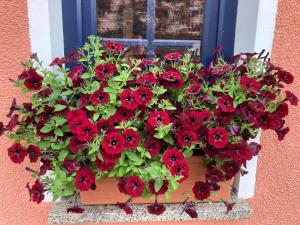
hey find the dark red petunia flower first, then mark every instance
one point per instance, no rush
(218, 137)
(127, 99)
(115, 120)
(105, 70)
(268, 121)
(194, 89)
(2, 129)
(255, 148)
(186, 138)
(36, 192)
(192, 118)
(34, 153)
(75, 75)
(219, 70)
(249, 112)
(17, 153)
(86, 131)
(126, 114)
(229, 206)
(122, 185)
(76, 145)
(190, 209)
(75, 209)
(45, 93)
(125, 206)
(84, 100)
(210, 151)
(204, 116)
(147, 79)
(156, 208)
(291, 97)
(69, 165)
(173, 56)
(269, 80)
(45, 166)
(282, 110)
(281, 133)
(110, 157)
(239, 151)
(162, 190)
(171, 156)
(134, 186)
(267, 96)
(226, 103)
(34, 81)
(258, 107)
(113, 143)
(143, 95)
(153, 145)
(172, 79)
(103, 125)
(285, 76)
(13, 122)
(103, 165)
(202, 134)
(201, 190)
(213, 174)
(132, 139)
(249, 84)
(59, 61)
(100, 97)
(115, 47)
(234, 130)
(230, 168)
(158, 118)
(85, 178)
(180, 168)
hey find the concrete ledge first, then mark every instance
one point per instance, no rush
(111, 213)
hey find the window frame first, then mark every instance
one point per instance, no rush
(79, 18)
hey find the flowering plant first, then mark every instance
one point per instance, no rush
(138, 121)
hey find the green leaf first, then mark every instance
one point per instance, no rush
(59, 132)
(86, 75)
(158, 184)
(46, 129)
(62, 155)
(59, 107)
(174, 184)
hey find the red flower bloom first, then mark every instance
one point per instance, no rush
(172, 79)
(113, 46)
(2, 129)
(75, 75)
(291, 97)
(125, 206)
(105, 70)
(158, 118)
(180, 168)
(126, 114)
(153, 145)
(113, 143)
(134, 186)
(13, 122)
(156, 208)
(172, 156)
(100, 97)
(75, 209)
(69, 165)
(122, 185)
(282, 110)
(36, 192)
(267, 96)
(87, 131)
(85, 179)
(173, 56)
(285, 76)
(59, 61)
(45, 167)
(115, 120)
(104, 125)
(45, 93)
(147, 79)
(269, 80)
(34, 81)
(143, 95)
(190, 209)
(110, 157)
(162, 190)
(17, 153)
(127, 99)
(186, 138)
(238, 151)
(132, 139)
(226, 103)
(249, 84)
(34, 153)
(255, 148)
(258, 107)
(281, 133)
(194, 89)
(201, 190)
(218, 137)
(230, 168)
(103, 165)
(213, 174)
(76, 145)
(202, 134)
(204, 116)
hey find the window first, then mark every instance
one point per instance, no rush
(153, 27)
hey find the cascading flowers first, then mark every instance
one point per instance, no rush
(138, 120)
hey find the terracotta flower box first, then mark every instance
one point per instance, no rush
(108, 193)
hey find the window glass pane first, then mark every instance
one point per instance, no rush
(179, 19)
(121, 18)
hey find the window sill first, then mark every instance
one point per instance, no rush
(110, 213)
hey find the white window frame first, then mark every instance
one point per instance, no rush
(255, 28)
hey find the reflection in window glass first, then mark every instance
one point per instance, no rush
(122, 18)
